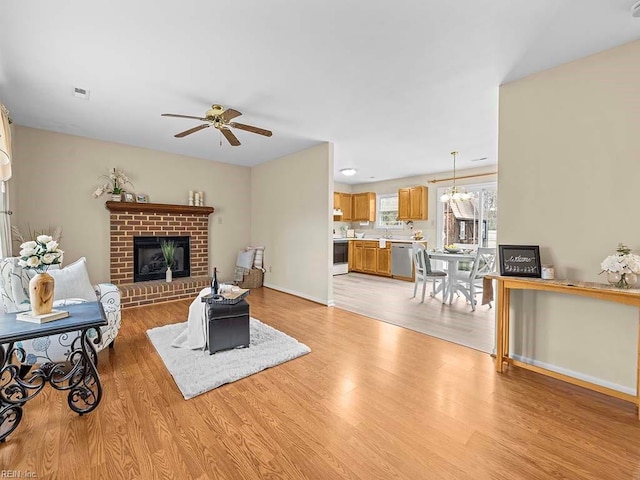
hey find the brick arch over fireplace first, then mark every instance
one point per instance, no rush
(128, 220)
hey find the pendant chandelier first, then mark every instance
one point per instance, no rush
(455, 193)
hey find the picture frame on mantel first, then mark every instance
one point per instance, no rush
(129, 197)
(142, 198)
(520, 261)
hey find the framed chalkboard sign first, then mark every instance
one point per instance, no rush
(520, 260)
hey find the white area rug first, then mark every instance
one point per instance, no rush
(196, 372)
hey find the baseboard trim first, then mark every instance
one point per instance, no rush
(577, 375)
(298, 294)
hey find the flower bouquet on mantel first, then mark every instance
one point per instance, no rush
(39, 255)
(622, 268)
(116, 180)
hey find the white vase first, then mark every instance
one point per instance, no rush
(168, 275)
(116, 197)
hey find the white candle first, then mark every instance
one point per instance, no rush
(201, 194)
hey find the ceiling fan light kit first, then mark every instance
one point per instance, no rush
(635, 10)
(220, 118)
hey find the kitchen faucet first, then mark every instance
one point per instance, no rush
(387, 234)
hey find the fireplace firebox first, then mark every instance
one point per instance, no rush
(148, 262)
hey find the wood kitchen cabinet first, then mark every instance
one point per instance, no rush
(336, 200)
(355, 256)
(346, 206)
(364, 207)
(383, 259)
(343, 201)
(413, 203)
(366, 257)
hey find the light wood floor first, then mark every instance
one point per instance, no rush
(371, 401)
(389, 300)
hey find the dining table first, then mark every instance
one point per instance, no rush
(452, 285)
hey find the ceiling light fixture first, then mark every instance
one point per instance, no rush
(455, 193)
(348, 172)
(635, 10)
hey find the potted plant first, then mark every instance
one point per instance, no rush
(116, 180)
(168, 248)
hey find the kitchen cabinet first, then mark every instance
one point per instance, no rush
(336, 200)
(369, 259)
(346, 206)
(364, 207)
(383, 259)
(366, 257)
(343, 201)
(355, 256)
(413, 203)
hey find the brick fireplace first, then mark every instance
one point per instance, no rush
(129, 220)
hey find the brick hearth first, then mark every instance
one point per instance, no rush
(135, 219)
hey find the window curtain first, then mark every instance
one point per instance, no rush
(5, 175)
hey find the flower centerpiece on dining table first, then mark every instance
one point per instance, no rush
(116, 180)
(622, 268)
(39, 255)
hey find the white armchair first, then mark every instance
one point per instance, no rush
(14, 285)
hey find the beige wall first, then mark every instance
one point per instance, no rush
(292, 206)
(55, 174)
(569, 160)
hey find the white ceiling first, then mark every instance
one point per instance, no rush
(394, 85)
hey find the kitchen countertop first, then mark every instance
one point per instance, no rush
(389, 240)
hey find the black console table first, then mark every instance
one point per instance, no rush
(78, 374)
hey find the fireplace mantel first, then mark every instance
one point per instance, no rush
(157, 208)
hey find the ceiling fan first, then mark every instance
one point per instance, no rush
(220, 118)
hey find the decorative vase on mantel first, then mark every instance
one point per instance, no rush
(169, 275)
(41, 288)
(622, 280)
(116, 197)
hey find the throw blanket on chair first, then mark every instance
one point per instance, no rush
(194, 336)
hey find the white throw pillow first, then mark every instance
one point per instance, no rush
(258, 260)
(245, 258)
(73, 281)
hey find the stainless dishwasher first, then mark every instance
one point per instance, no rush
(401, 259)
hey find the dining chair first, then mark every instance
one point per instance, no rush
(424, 273)
(483, 265)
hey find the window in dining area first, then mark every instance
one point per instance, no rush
(472, 221)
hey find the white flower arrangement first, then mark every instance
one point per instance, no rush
(116, 180)
(622, 262)
(40, 254)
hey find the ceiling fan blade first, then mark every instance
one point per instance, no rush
(230, 114)
(183, 116)
(252, 129)
(191, 130)
(231, 138)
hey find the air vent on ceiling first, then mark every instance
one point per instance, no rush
(81, 93)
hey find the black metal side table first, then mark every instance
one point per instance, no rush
(78, 374)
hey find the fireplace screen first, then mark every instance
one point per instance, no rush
(148, 262)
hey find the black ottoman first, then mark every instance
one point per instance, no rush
(227, 325)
